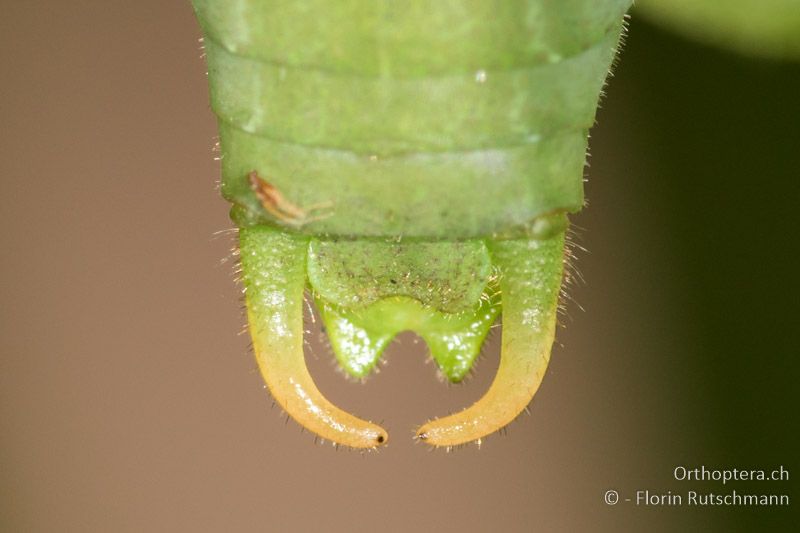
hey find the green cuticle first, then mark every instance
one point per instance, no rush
(369, 291)
(448, 293)
(447, 142)
(519, 277)
(359, 337)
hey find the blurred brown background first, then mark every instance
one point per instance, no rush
(129, 403)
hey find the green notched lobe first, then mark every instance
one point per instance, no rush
(358, 337)
(369, 291)
(359, 331)
(421, 159)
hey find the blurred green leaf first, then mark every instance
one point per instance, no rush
(767, 28)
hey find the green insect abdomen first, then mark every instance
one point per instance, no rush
(402, 115)
(411, 164)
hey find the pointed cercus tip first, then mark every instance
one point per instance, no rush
(530, 281)
(274, 274)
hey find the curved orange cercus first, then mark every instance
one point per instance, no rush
(425, 135)
(273, 266)
(531, 272)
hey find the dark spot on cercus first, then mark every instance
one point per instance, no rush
(380, 439)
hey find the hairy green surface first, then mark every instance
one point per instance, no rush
(407, 39)
(463, 111)
(443, 120)
(447, 276)
(453, 322)
(360, 330)
(412, 165)
(752, 27)
(439, 195)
